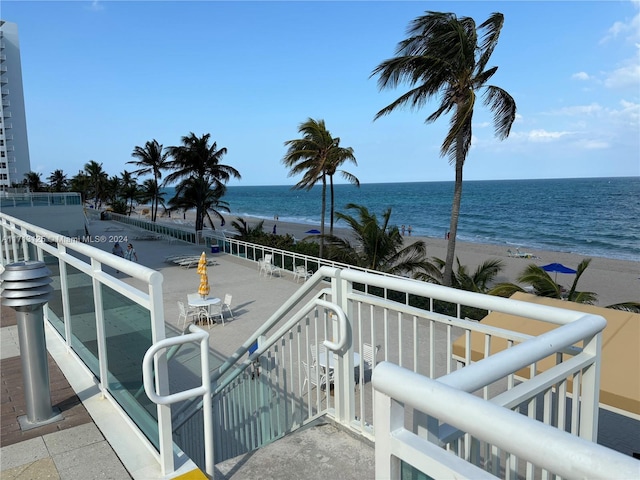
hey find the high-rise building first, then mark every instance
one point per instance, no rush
(14, 146)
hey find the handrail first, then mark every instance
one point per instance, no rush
(505, 362)
(197, 335)
(493, 424)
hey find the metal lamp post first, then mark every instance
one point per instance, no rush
(25, 288)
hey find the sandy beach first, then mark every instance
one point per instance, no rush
(613, 280)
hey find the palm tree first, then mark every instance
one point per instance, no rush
(113, 193)
(245, 231)
(58, 181)
(151, 159)
(196, 164)
(198, 193)
(80, 183)
(545, 286)
(33, 181)
(129, 190)
(314, 155)
(97, 180)
(376, 246)
(150, 191)
(478, 281)
(447, 56)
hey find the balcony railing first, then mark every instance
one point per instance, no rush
(106, 323)
(263, 395)
(38, 199)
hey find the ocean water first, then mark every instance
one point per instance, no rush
(588, 216)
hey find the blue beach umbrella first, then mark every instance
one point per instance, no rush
(313, 231)
(557, 268)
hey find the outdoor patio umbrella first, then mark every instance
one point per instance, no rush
(204, 288)
(557, 268)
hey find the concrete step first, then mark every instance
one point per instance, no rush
(318, 451)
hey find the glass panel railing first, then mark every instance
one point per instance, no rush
(84, 339)
(55, 313)
(128, 337)
(408, 472)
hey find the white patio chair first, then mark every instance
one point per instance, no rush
(313, 377)
(185, 314)
(301, 273)
(369, 356)
(214, 311)
(226, 304)
(267, 267)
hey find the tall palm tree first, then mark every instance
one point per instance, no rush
(313, 155)
(97, 180)
(198, 193)
(33, 181)
(150, 191)
(446, 56)
(375, 245)
(151, 159)
(58, 181)
(130, 190)
(197, 165)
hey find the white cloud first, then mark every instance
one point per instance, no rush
(592, 109)
(539, 135)
(627, 76)
(628, 30)
(581, 76)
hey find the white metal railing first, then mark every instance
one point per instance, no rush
(94, 313)
(259, 397)
(36, 199)
(226, 243)
(547, 451)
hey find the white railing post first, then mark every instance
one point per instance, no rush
(590, 395)
(344, 386)
(388, 416)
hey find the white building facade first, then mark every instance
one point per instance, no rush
(14, 146)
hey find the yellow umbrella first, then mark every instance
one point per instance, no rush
(204, 288)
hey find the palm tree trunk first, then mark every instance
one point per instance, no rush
(322, 214)
(447, 279)
(332, 204)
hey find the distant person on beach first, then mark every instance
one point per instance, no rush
(409, 230)
(131, 254)
(402, 230)
(274, 229)
(117, 251)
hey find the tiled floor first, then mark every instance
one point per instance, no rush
(58, 450)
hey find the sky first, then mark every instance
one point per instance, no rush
(102, 77)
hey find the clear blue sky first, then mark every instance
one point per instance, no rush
(102, 77)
